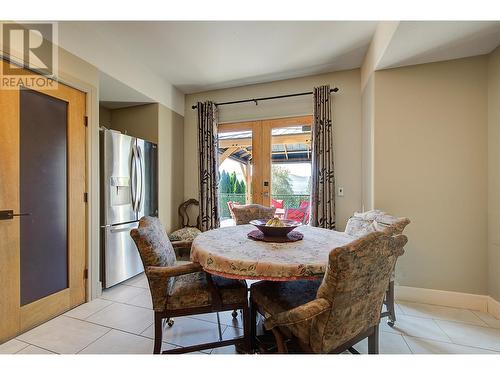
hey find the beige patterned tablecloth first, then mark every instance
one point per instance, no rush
(229, 253)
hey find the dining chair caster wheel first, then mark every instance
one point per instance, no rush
(390, 323)
(234, 313)
(169, 322)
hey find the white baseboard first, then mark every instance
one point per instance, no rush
(446, 298)
(494, 307)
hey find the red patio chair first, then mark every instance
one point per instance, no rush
(277, 203)
(297, 214)
(231, 204)
(306, 205)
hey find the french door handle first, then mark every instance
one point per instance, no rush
(9, 214)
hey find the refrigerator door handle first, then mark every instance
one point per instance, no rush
(133, 178)
(141, 174)
(123, 229)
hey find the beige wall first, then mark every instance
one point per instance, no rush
(170, 165)
(346, 117)
(494, 174)
(105, 117)
(139, 121)
(368, 108)
(430, 164)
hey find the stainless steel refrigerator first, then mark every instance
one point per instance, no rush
(129, 191)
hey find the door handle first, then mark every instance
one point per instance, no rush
(141, 171)
(133, 177)
(9, 214)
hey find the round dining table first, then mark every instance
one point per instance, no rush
(228, 252)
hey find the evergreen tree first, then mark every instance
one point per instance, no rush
(224, 182)
(233, 181)
(237, 187)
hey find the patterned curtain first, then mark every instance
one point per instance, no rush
(208, 165)
(323, 175)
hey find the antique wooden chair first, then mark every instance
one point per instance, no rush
(183, 238)
(332, 315)
(180, 290)
(367, 222)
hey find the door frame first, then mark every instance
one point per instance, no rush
(261, 146)
(67, 77)
(77, 291)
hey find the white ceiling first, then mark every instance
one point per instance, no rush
(200, 56)
(418, 42)
(116, 94)
(197, 56)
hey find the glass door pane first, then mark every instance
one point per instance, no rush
(235, 172)
(291, 172)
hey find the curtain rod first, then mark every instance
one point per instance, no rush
(256, 100)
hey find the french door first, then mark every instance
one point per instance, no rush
(42, 207)
(258, 145)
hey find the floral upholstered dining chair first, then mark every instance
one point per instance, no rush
(362, 223)
(184, 289)
(332, 315)
(245, 213)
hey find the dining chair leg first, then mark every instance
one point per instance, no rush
(390, 304)
(280, 341)
(158, 333)
(253, 325)
(373, 341)
(247, 330)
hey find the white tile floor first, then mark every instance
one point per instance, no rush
(121, 321)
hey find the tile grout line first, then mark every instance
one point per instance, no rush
(436, 321)
(485, 322)
(407, 345)
(110, 328)
(125, 303)
(30, 344)
(450, 321)
(90, 343)
(85, 319)
(453, 343)
(467, 324)
(95, 312)
(24, 347)
(138, 334)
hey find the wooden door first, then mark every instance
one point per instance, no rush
(37, 283)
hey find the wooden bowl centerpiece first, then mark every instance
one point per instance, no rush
(276, 227)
